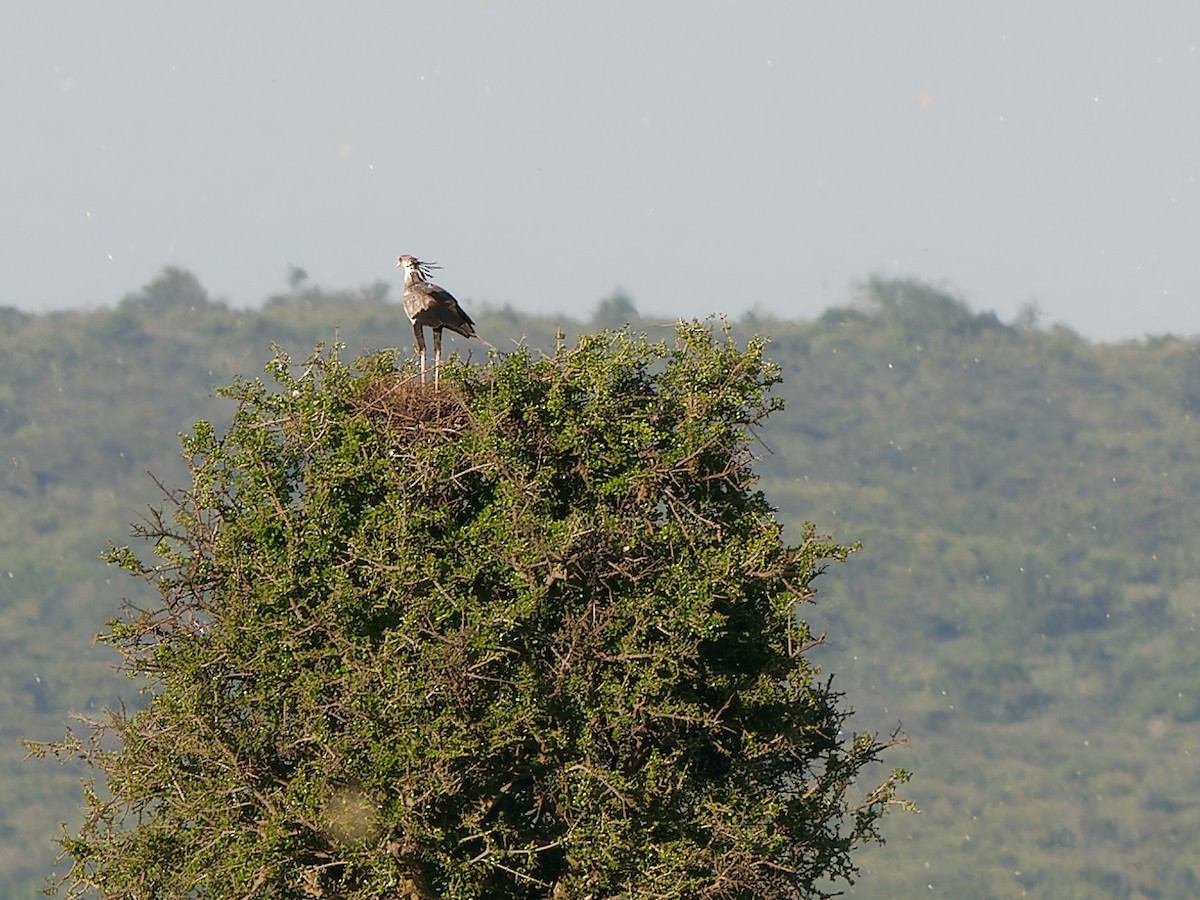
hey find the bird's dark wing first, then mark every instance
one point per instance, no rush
(433, 306)
(421, 297)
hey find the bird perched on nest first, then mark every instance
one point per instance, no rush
(430, 306)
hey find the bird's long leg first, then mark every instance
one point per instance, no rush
(437, 357)
(420, 333)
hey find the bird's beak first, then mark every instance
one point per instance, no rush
(399, 263)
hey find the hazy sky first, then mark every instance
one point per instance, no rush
(701, 156)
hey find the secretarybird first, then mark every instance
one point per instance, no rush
(430, 306)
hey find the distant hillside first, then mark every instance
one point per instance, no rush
(1025, 601)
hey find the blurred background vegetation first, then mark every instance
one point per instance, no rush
(1025, 603)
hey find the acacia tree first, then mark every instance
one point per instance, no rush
(531, 634)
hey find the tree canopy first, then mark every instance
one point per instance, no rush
(534, 634)
(1025, 602)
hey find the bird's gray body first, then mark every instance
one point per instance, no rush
(432, 306)
(429, 305)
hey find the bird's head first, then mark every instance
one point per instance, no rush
(414, 268)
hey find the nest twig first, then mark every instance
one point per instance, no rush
(405, 409)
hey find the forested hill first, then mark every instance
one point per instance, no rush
(1025, 602)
